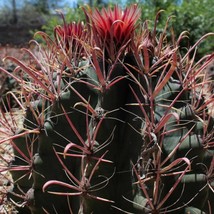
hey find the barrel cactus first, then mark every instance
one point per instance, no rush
(115, 121)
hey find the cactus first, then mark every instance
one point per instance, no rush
(115, 121)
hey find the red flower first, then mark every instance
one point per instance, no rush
(71, 36)
(114, 28)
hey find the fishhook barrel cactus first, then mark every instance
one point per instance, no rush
(115, 121)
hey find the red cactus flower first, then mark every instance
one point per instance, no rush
(114, 28)
(71, 36)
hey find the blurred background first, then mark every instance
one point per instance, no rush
(20, 19)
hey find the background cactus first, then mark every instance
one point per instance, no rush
(115, 121)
